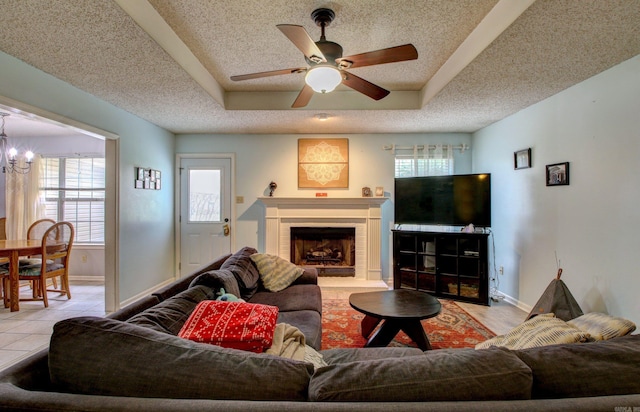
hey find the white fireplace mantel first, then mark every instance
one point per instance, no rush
(362, 213)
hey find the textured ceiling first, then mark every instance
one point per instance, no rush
(169, 61)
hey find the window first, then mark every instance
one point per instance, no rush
(204, 195)
(73, 190)
(434, 161)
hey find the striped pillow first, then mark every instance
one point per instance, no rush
(541, 330)
(276, 273)
(601, 326)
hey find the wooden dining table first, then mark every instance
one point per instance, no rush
(13, 249)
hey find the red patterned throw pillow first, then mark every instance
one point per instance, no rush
(237, 325)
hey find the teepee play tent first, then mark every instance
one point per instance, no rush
(557, 299)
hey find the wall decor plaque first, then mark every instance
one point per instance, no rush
(323, 163)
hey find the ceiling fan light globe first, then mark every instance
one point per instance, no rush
(323, 79)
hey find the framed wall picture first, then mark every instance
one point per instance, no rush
(557, 174)
(522, 159)
(323, 163)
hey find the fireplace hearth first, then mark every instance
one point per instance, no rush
(331, 250)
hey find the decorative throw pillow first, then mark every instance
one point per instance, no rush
(236, 325)
(244, 270)
(276, 273)
(601, 326)
(541, 330)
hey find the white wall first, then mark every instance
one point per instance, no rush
(145, 232)
(263, 158)
(591, 224)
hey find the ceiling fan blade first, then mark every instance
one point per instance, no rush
(299, 36)
(363, 86)
(303, 97)
(390, 55)
(269, 73)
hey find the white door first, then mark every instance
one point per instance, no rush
(205, 211)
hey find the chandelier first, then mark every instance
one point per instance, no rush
(8, 158)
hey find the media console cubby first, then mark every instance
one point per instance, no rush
(451, 265)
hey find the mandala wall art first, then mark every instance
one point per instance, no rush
(323, 163)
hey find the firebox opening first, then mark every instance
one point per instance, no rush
(331, 250)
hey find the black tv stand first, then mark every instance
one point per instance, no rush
(452, 265)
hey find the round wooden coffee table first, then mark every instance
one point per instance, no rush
(400, 309)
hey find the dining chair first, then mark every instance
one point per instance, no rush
(4, 284)
(57, 242)
(35, 232)
(3, 228)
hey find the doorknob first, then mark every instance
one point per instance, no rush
(225, 229)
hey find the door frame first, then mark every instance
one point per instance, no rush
(177, 197)
(112, 190)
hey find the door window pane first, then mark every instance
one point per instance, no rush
(204, 195)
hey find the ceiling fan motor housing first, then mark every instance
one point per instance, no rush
(331, 51)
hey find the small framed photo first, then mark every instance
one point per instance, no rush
(522, 159)
(379, 191)
(558, 174)
(140, 173)
(366, 192)
(139, 184)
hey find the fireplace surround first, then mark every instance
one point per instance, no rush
(363, 215)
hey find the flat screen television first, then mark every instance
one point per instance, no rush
(453, 200)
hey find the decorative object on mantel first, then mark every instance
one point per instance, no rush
(522, 159)
(366, 191)
(272, 187)
(147, 179)
(321, 194)
(558, 174)
(8, 160)
(323, 163)
(379, 191)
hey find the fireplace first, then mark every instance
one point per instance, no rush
(331, 250)
(362, 213)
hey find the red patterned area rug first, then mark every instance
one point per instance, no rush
(452, 328)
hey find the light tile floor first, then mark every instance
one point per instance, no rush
(27, 331)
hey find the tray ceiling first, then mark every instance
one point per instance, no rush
(169, 61)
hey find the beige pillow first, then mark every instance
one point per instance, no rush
(541, 330)
(276, 273)
(601, 326)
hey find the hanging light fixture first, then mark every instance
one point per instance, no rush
(9, 157)
(323, 79)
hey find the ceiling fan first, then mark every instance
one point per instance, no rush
(327, 66)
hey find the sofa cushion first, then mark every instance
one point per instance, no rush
(541, 330)
(295, 297)
(601, 368)
(464, 375)
(99, 356)
(308, 321)
(181, 284)
(169, 315)
(276, 273)
(237, 325)
(245, 271)
(218, 279)
(345, 355)
(601, 326)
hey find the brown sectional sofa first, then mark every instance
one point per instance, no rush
(133, 360)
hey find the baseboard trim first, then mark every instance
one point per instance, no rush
(515, 302)
(85, 278)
